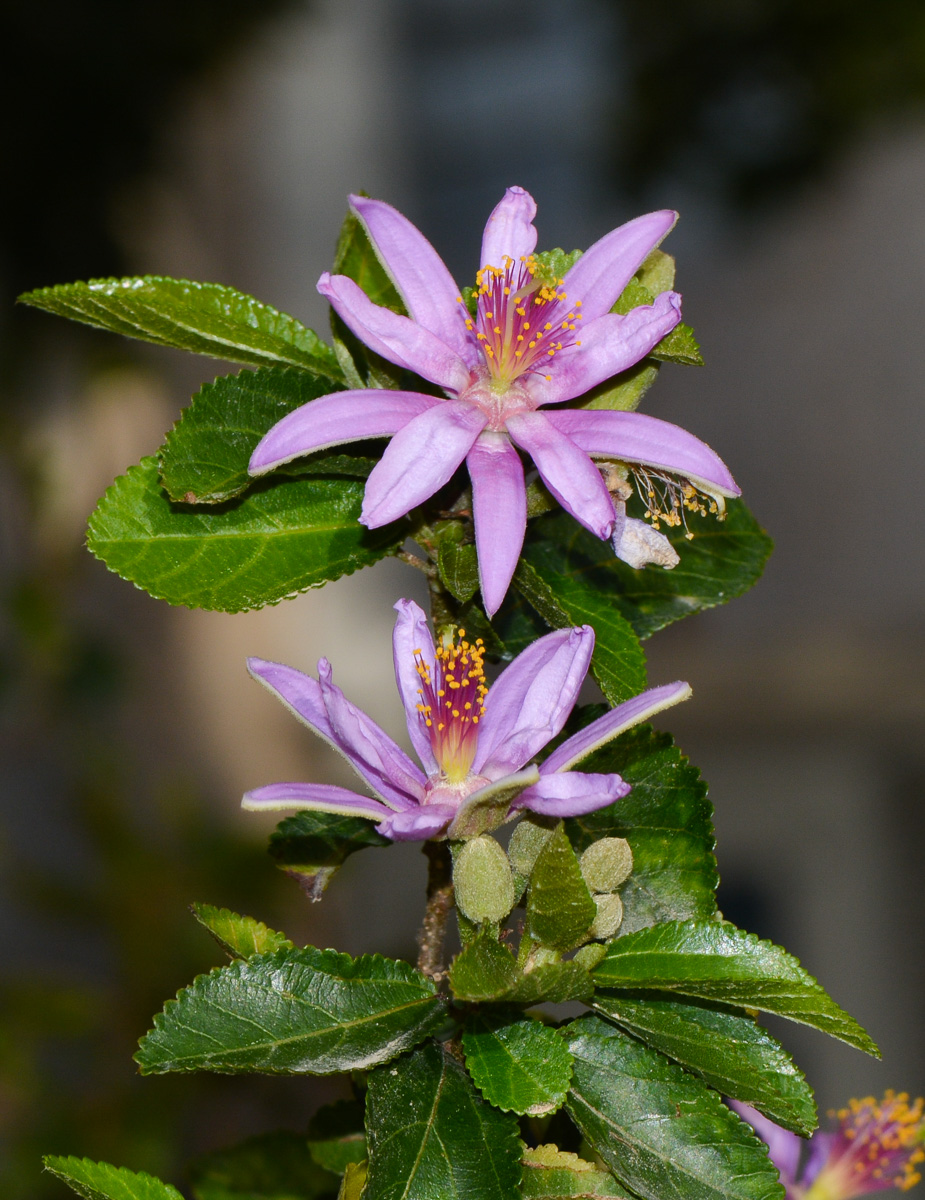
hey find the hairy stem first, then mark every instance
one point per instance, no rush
(432, 934)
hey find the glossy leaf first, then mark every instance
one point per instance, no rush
(459, 570)
(311, 846)
(554, 1174)
(336, 1135)
(284, 537)
(662, 1132)
(560, 909)
(293, 1012)
(100, 1181)
(726, 1048)
(431, 1134)
(242, 937)
(272, 1166)
(714, 961)
(205, 318)
(519, 1065)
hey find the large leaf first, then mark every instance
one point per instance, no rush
(667, 820)
(712, 960)
(272, 1166)
(560, 909)
(554, 1174)
(662, 1132)
(293, 1012)
(284, 537)
(311, 846)
(205, 318)
(100, 1181)
(518, 1065)
(240, 936)
(726, 1048)
(432, 1135)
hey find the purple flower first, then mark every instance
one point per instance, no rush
(475, 749)
(876, 1146)
(534, 341)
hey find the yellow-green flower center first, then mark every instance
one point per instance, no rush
(453, 702)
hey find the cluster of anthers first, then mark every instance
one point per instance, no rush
(885, 1140)
(669, 500)
(453, 702)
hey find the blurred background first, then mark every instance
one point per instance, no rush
(218, 140)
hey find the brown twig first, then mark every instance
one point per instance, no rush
(432, 934)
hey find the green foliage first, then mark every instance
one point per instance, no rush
(560, 908)
(336, 1135)
(100, 1181)
(554, 1174)
(205, 318)
(356, 258)
(293, 1012)
(273, 1166)
(311, 846)
(486, 970)
(680, 345)
(240, 936)
(284, 537)
(624, 392)
(714, 961)
(726, 1048)
(459, 569)
(519, 1065)
(660, 1130)
(431, 1134)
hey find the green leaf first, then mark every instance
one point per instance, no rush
(618, 662)
(272, 1166)
(241, 936)
(661, 1131)
(311, 846)
(624, 391)
(354, 1182)
(519, 1065)
(487, 971)
(336, 1135)
(356, 258)
(679, 346)
(555, 264)
(657, 273)
(432, 1135)
(100, 1181)
(205, 318)
(560, 909)
(667, 820)
(459, 570)
(550, 983)
(293, 1012)
(714, 961)
(284, 537)
(727, 1049)
(554, 1174)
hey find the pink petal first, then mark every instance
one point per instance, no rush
(419, 460)
(418, 824)
(419, 274)
(331, 420)
(509, 230)
(605, 268)
(412, 633)
(499, 509)
(635, 437)
(397, 338)
(566, 470)
(317, 797)
(783, 1146)
(572, 794)
(530, 701)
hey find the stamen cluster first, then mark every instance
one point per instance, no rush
(452, 702)
(884, 1141)
(669, 500)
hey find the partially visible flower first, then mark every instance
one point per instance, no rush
(876, 1146)
(475, 749)
(534, 341)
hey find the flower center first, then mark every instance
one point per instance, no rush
(882, 1148)
(452, 703)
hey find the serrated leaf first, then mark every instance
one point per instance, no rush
(336, 1135)
(727, 1049)
(668, 822)
(554, 1174)
(459, 570)
(618, 662)
(623, 392)
(272, 1166)
(560, 909)
(293, 1012)
(241, 936)
(679, 346)
(356, 258)
(487, 971)
(662, 1132)
(518, 1065)
(285, 536)
(100, 1181)
(312, 846)
(431, 1134)
(714, 961)
(205, 318)
(556, 263)
(550, 983)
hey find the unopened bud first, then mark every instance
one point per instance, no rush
(609, 916)
(606, 864)
(482, 881)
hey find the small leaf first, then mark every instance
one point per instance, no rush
(550, 983)
(272, 1166)
(293, 1012)
(284, 537)
(240, 936)
(336, 1135)
(624, 391)
(354, 1182)
(554, 1174)
(679, 346)
(432, 1135)
(311, 846)
(487, 971)
(100, 1181)
(714, 961)
(725, 1047)
(660, 1130)
(657, 273)
(560, 909)
(459, 570)
(519, 1065)
(205, 318)
(356, 258)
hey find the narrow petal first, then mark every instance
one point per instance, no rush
(397, 338)
(499, 510)
(566, 470)
(783, 1146)
(410, 635)
(635, 437)
(317, 797)
(419, 274)
(418, 824)
(612, 724)
(608, 346)
(332, 420)
(530, 701)
(572, 794)
(509, 230)
(420, 459)
(605, 268)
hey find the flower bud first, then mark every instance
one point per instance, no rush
(609, 916)
(482, 881)
(606, 864)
